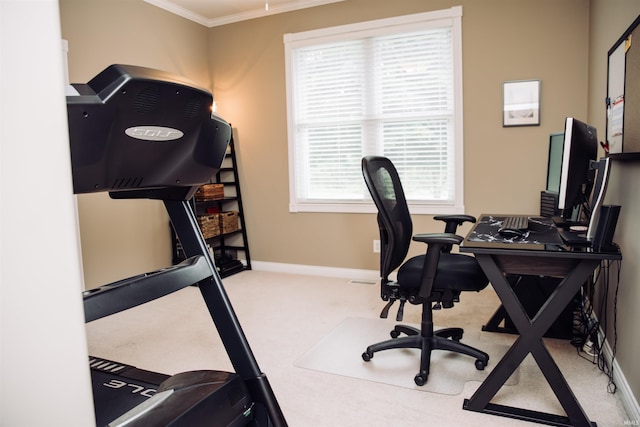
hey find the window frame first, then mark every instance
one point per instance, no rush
(449, 17)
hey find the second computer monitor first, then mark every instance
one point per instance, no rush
(554, 165)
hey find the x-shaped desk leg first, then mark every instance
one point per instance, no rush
(530, 341)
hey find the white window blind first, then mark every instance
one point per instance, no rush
(390, 87)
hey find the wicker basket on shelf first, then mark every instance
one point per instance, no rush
(228, 221)
(209, 225)
(210, 192)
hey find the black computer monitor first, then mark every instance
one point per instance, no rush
(580, 148)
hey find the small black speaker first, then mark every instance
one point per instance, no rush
(606, 226)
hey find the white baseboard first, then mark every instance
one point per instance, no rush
(314, 270)
(627, 398)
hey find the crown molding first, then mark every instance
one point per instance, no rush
(170, 6)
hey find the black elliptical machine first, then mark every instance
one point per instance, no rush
(139, 133)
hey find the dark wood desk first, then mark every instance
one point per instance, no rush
(543, 254)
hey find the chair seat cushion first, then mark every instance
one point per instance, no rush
(456, 272)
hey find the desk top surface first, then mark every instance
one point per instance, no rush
(542, 240)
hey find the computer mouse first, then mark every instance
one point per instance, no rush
(511, 233)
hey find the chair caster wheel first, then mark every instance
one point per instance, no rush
(394, 334)
(456, 337)
(420, 380)
(367, 356)
(480, 365)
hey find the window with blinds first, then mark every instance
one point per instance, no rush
(390, 87)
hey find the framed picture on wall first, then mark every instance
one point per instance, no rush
(521, 103)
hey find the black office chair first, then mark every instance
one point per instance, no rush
(436, 278)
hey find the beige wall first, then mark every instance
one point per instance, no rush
(608, 22)
(504, 167)
(124, 237)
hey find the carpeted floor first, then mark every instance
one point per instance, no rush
(285, 317)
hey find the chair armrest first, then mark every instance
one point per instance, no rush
(436, 243)
(435, 238)
(453, 221)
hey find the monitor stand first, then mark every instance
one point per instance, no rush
(574, 238)
(561, 222)
(572, 231)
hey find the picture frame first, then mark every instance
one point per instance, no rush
(521, 103)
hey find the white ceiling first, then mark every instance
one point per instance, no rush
(212, 13)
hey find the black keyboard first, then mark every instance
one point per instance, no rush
(515, 223)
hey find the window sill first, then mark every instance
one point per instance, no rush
(414, 208)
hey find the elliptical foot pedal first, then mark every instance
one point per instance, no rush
(127, 396)
(118, 388)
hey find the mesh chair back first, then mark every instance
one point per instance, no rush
(394, 218)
